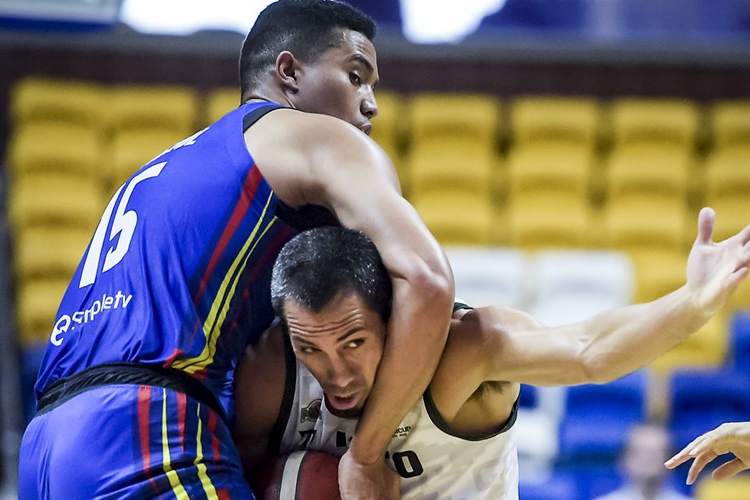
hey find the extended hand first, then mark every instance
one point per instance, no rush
(359, 481)
(714, 270)
(727, 438)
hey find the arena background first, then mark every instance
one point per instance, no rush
(695, 53)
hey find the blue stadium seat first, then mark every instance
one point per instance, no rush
(598, 417)
(529, 397)
(739, 341)
(700, 400)
(592, 478)
(557, 487)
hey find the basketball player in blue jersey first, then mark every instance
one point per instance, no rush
(333, 297)
(135, 391)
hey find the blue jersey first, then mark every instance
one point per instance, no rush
(177, 273)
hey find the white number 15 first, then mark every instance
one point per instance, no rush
(123, 224)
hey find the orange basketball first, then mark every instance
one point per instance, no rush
(301, 475)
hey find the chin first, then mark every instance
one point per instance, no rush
(352, 413)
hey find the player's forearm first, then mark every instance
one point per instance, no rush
(416, 337)
(626, 339)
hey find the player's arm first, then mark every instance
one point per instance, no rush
(616, 342)
(259, 382)
(330, 163)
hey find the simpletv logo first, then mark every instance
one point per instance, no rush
(68, 322)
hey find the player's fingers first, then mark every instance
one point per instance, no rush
(697, 466)
(706, 220)
(683, 455)
(728, 469)
(734, 279)
(744, 255)
(744, 235)
(676, 460)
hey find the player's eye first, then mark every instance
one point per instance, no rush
(353, 344)
(308, 349)
(355, 78)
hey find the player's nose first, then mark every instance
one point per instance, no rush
(340, 372)
(369, 105)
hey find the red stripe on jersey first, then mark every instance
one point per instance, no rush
(181, 411)
(144, 427)
(251, 185)
(214, 437)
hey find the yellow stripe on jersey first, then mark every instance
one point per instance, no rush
(208, 487)
(174, 479)
(220, 306)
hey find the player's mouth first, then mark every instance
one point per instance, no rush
(343, 403)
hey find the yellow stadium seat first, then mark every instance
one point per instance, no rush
(732, 214)
(546, 221)
(37, 301)
(740, 299)
(730, 123)
(734, 488)
(727, 173)
(36, 99)
(648, 170)
(44, 251)
(705, 348)
(557, 119)
(388, 130)
(388, 125)
(451, 114)
(460, 218)
(219, 102)
(450, 166)
(645, 223)
(129, 150)
(658, 272)
(166, 107)
(54, 199)
(550, 168)
(56, 147)
(639, 120)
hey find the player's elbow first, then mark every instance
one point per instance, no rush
(596, 367)
(434, 291)
(438, 287)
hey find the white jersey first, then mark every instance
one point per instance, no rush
(434, 463)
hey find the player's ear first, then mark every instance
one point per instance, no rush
(286, 71)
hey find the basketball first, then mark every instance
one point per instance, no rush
(301, 475)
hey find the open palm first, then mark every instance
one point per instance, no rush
(714, 270)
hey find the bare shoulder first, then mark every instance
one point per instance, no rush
(302, 154)
(466, 392)
(475, 337)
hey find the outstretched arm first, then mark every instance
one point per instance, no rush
(324, 161)
(727, 438)
(614, 343)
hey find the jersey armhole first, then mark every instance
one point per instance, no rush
(249, 119)
(274, 445)
(440, 423)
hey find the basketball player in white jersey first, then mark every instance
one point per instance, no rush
(304, 389)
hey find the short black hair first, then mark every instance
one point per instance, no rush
(318, 264)
(306, 28)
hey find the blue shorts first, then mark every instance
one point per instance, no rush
(130, 442)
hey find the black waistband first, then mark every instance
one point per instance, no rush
(126, 373)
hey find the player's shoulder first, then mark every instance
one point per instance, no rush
(301, 125)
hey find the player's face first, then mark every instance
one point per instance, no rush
(341, 346)
(341, 82)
